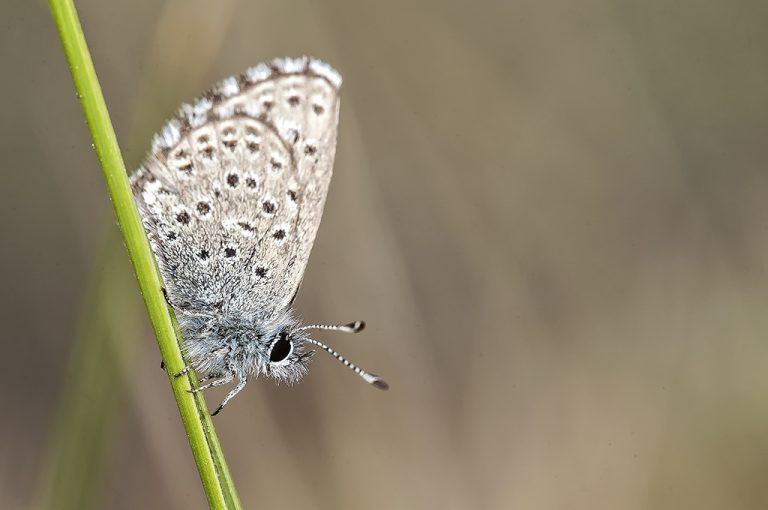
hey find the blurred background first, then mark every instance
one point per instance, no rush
(552, 215)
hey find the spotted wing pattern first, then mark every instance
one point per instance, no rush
(233, 189)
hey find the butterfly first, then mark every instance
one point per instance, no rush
(231, 196)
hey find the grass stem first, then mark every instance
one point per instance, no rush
(206, 450)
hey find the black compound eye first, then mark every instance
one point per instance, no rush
(280, 349)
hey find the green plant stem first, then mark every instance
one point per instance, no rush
(206, 450)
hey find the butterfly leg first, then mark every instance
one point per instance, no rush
(235, 391)
(186, 369)
(183, 371)
(218, 380)
(201, 380)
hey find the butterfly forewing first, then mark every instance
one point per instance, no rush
(234, 187)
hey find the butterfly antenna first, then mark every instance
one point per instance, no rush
(373, 379)
(352, 327)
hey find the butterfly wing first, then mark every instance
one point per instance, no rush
(233, 190)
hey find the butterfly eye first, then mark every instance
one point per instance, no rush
(280, 349)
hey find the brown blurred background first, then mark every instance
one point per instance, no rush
(552, 215)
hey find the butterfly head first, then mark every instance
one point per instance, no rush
(285, 357)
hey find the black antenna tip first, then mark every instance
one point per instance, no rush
(380, 383)
(357, 326)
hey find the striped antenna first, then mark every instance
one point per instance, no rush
(373, 379)
(352, 327)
